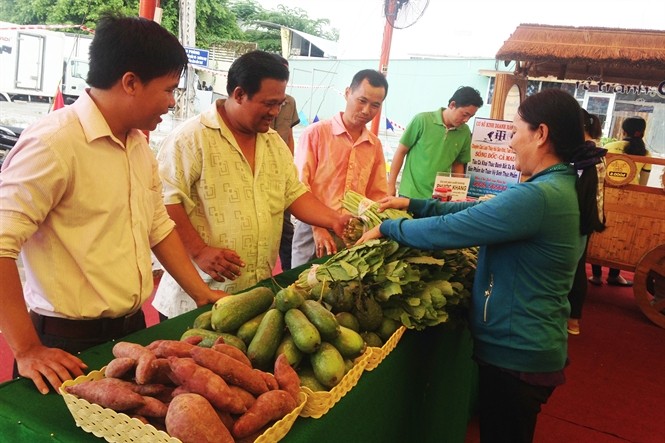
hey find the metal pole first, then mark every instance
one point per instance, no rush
(385, 55)
(147, 9)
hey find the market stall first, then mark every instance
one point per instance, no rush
(612, 61)
(424, 390)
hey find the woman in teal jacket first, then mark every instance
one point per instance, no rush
(531, 236)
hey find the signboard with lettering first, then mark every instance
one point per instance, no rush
(197, 56)
(620, 170)
(457, 184)
(492, 165)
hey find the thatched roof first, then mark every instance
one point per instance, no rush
(628, 56)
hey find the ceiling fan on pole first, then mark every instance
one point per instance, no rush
(399, 14)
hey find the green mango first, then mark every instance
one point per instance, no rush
(387, 328)
(288, 298)
(349, 343)
(229, 313)
(262, 348)
(323, 319)
(348, 320)
(203, 321)
(289, 348)
(328, 365)
(372, 339)
(305, 335)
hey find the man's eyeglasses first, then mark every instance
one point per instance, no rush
(273, 104)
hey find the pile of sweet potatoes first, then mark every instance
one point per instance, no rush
(195, 394)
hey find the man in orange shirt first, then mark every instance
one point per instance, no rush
(341, 154)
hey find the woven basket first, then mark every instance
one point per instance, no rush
(320, 402)
(118, 427)
(378, 354)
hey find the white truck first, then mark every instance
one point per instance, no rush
(33, 62)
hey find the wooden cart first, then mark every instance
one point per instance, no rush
(634, 239)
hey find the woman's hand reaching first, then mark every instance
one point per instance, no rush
(370, 235)
(393, 203)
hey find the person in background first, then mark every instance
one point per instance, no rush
(438, 141)
(80, 198)
(632, 144)
(228, 178)
(592, 133)
(283, 124)
(341, 154)
(531, 237)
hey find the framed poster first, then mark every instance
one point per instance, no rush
(492, 165)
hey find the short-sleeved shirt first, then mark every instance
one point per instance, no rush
(432, 148)
(287, 118)
(330, 162)
(230, 206)
(84, 210)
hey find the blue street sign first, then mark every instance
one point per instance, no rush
(197, 56)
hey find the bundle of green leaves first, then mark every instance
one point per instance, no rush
(414, 287)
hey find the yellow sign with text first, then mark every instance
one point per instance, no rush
(620, 170)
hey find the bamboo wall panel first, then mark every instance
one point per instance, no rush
(635, 225)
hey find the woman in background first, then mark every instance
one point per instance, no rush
(632, 144)
(592, 133)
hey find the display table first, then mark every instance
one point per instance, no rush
(423, 391)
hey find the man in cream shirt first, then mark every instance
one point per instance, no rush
(228, 178)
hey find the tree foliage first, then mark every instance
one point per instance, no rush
(262, 26)
(75, 12)
(216, 20)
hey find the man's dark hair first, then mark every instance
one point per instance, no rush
(248, 70)
(132, 44)
(466, 96)
(281, 59)
(374, 78)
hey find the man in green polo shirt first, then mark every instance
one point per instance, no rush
(438, 141)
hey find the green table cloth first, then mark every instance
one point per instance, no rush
(423, 391)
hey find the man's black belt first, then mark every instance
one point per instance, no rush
(68, 328)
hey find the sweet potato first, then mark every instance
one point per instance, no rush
(108, 393)
(120, 367)
(162, 372)
(231, 351)
(226, 418)
(246, 396)
(203, 381)
(287, 377)
(272, 405)
(193, 339)
(269, 379)
(151, 390)
(166, 395)
(144, 357)
(169, 348)
(180, 390)
(230, 369)
(192, 419)
(151, 408)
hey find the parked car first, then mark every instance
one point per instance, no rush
(8, 137)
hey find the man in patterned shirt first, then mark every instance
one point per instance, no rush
(228, 178)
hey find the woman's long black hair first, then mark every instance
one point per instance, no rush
(634, 128)
(564, 117)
